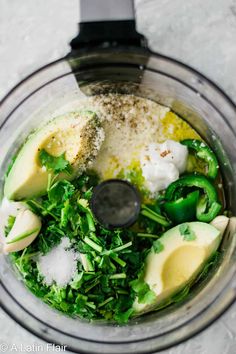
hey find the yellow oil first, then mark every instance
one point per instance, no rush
(171, 127)
(175, 128)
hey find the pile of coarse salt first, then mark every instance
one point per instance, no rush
(59, 265)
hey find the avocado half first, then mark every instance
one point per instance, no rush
(179, 263)
(77, 134)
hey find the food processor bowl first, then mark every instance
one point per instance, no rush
(133, 69)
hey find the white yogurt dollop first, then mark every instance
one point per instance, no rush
(162, 164)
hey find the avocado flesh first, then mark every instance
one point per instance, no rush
(179, 263)
(74, 134)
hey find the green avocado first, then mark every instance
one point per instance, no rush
(183, 253)
(77, 134)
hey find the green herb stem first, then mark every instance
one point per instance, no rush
(30, 255)
(92, 286)
(90, 222)
(49, 181)
(118, 276)
(92, 244)
(149, 213)
(122, 292)
(120, 248)
(118, 260)
(106, 301)
(112, 265)
(87, 264)
(33, 204)
(94, 237)
(140, 234)
(21, 258)
(91, 304)
(83, 204)
(90, 272)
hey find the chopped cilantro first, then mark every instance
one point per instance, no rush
(61, 191)
(55, 164)
(158, 246)
(109, 259)
(109, 275)
(144, 293)
(123, 317)
(186, 232)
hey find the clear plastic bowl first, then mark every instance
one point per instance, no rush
(46, 93)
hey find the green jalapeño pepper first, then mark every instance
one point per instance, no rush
(204, 153)
(207, 206)
(182, 209)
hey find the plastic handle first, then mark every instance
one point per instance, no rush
(107, 23)
(105, 10)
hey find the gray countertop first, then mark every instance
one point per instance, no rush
(201, 33)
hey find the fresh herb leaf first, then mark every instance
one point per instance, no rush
(157, 246)
(186, 232)
(123, 317)
(66, 213)
(148, 298)
(77, 281)
(61, 191)
(55, 164)
(49, 238)
(144, 293)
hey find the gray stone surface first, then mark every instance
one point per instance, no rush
(201, 33)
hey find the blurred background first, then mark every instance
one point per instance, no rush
(201, 33)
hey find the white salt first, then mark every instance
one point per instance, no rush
(59, 265)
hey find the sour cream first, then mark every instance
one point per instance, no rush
(162, 164)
